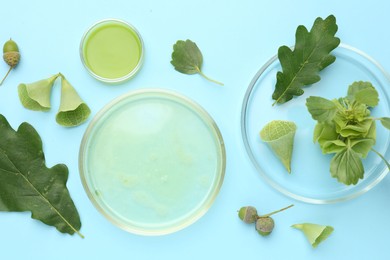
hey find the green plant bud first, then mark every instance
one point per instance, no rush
(265, 225)
(248, 214)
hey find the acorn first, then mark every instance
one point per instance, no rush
(265, 225)
(11, 56)
(248, 214)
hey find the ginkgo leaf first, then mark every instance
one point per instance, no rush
(310, 55)
(279, 135)
(73, 110)
(188, 59)
(314, 233)
(26, 184)
(36, 95)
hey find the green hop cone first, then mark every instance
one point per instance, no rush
(248, 214)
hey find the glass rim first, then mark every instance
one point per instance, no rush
(129, 75)
(208, 200)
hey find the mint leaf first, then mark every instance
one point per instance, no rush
(321, 109)
(188, 59)
(26, 184)
(300, 66)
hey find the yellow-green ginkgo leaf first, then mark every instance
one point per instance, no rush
(279, 135)
(73, 111)
(36, 95)
(314, 233)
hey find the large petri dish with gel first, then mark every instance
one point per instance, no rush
(152, 161)
(310, 179)
(112, 50)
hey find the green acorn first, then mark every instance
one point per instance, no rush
(11, 56)
(248, 214)
(265, 225)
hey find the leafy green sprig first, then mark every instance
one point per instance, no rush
(346, 128)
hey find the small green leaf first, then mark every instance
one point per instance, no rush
(362, 146)
(279, 135)
(36, 96)
(321, 109)
(300, 67)
(314, 233)
(385, 122)
(188, 59)
(26, 184)
(364, 93)
(333, 146)
(73, 111)
(347, 167)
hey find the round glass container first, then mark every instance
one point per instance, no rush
(112, 50)
(310, 179)
(152, 161)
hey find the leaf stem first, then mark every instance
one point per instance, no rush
(209, 79)
(382, 157)
(277, 211)
(6, 75)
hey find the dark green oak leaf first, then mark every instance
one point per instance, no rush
(26, 184)
(311, 54)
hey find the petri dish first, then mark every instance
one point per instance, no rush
(152, 161)
(112, 50)
(310, 180)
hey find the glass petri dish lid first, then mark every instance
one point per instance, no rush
(112, 50)
(152, 161)
(310, 180)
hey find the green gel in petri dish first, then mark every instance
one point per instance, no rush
(152, 162)
(112, 51)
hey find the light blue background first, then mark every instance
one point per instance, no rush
(236, 38)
